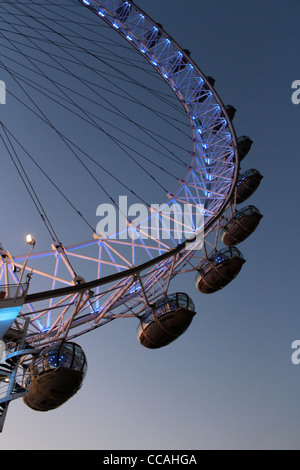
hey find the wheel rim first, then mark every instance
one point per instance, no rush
(210, 180)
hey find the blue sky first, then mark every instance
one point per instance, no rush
(229, 382)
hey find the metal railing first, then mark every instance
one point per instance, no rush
(13, 291)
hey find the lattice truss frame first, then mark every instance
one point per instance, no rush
(130, 274)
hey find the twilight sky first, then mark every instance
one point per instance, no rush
(229, 382)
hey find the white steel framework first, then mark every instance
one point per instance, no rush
(126, 276)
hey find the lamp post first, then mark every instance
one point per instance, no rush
(30, 241)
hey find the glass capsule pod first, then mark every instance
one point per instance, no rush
(54, 376)
(244, 145)
(211, 80)
(230, 111)
(169, 318)
(241, 225)
(219, 270)
(247, 184)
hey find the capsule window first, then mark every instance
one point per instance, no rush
(68, 355)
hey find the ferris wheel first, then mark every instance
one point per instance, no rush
(182, 217)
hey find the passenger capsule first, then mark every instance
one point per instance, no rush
(244, 145)
(230, 111)
(54, 376)
(241, 225)
(166, 321)
(219, 270)
(211, 80)
(247, 184)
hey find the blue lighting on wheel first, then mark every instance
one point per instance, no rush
(206, 121)
(134, 289)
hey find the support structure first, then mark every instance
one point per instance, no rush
(11, 375)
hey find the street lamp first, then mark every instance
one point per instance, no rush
(30, 240)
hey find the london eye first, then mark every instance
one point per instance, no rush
(124, 209)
